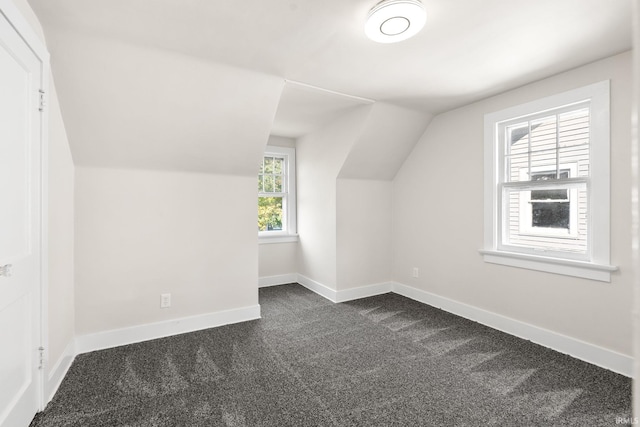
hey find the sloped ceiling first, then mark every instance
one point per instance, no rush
(136, 107)
(169, 83)
(387, 137)
(304, 109)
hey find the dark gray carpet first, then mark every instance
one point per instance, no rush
(380, 361)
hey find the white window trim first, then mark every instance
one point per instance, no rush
(290, 232)
(597, 265)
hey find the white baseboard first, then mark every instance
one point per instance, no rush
(281, 279)
(318, 288)
(135, 334)
(59, 371)
(345, 294)
(591, 353)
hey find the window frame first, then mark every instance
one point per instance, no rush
(289, 231)
(595, 264)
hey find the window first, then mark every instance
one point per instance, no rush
(544, 156)
(547, 184)
(277, 195)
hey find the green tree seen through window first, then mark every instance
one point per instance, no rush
(269, 213)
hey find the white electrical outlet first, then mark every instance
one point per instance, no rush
(416, 272)
(165, 300)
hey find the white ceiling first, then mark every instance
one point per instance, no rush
(138, 79)
(304, 109)
(468, 49)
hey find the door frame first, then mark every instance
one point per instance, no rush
(15, 17)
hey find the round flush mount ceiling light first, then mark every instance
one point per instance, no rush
(395, 20)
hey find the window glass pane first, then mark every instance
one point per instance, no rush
(553, 219)
(574, 128)
(549, 195)
(277, 187)
(517, 168)
(550, 214)
(268, 184)
(544, 160)
(549, 175)
(543, 133)
(518, 139)
(269, 213)
(576, 156)
(261, 166)
(277, 165)
(268, 165)
(260, 183)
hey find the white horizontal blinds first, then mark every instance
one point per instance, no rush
(545, 180)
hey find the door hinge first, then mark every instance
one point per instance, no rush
(41, 357)
(43, 102)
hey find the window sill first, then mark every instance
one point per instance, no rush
(567, 267)
(287, 238)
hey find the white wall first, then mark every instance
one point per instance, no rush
(363, 226)
(277, 259)
(344, 194)
(60, 290)
(281, 141)
(61, 293)
(320, 156)
(363, 232)
(636, 160)
(143, 233)
(438, 223)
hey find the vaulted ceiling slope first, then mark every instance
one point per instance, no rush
(168, 84)
(386, 139)
(127, 106)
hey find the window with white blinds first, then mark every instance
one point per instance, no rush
(547, 184)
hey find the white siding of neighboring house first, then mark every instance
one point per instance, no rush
(572, 153)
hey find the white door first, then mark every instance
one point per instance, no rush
(20, 229)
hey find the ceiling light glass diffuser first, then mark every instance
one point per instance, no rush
(395, 20)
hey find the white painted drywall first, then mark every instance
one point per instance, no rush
(281, 141)
(363, 229)
(61, 292)
(142, 233)
(131, 106)
(277, 259)
(388, 137)
(344, 194)
(60, 285)
(305, 109)
(363, 226)
(320, 156)
(438, 223)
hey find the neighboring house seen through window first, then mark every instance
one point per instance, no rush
(546, 163)
(547, 184)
